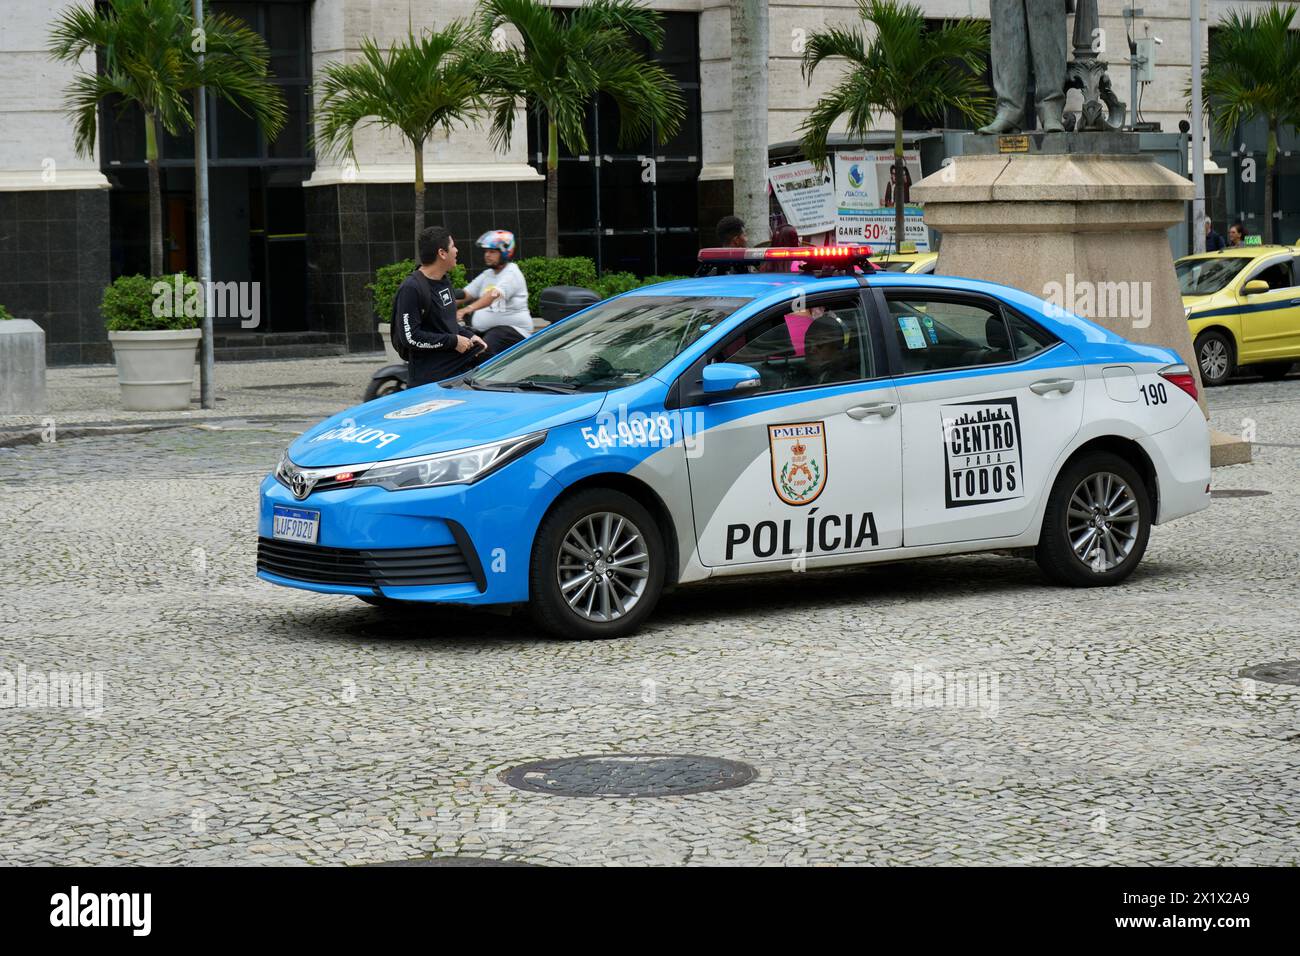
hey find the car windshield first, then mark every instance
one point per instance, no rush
(611, 345)
(892, 265)
(1206, 276)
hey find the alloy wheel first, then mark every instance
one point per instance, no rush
(1102, 521)
(603, 566)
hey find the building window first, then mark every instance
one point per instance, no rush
(634, 208)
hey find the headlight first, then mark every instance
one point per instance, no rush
(463, 466)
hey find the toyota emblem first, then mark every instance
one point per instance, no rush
(300, 486)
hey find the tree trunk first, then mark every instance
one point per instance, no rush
(155, 196)
(419, 195)
(1270, 160)
(552, 189)
(749, 50)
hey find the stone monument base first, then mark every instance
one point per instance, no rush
(1084, 229)
(22, 367)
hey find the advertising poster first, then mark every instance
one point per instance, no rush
(806, 195)
(864, 188)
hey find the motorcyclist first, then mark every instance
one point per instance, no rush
(496, 301)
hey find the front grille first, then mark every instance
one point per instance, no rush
(388, 567)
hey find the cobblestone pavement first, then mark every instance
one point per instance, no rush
(257, 725)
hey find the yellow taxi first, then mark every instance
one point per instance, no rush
(907, 259)
(1243, 307)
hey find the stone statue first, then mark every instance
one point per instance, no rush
(1028, 32)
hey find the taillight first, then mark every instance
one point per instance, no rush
(1181, 376)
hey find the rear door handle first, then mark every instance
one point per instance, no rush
(882, 409)
(1047, 386)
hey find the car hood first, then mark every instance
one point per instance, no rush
(430, 419)
(1198, 302)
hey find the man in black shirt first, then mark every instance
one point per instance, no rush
(438, 347)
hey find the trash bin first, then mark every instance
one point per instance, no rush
(561, 301)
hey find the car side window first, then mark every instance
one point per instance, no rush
(1027, 339)
(934, 334)
(1278, 276)
(804, 344)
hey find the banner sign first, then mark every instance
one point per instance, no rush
(806, 195)
(864, 188)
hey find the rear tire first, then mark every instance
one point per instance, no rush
(1097, 522)
(573, 591)
(1273, 371)
(1216, 357)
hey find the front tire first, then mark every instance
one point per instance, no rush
(597, 567)
(1097, 522)
(1216, 357)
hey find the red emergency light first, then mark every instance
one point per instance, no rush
(814, 258)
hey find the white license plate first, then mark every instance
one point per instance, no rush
(295, 524)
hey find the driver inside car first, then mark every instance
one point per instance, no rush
(830, 351)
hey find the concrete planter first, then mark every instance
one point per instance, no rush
(155, 369)
(22, 367)
(385, 333)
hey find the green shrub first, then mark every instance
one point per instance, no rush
(615, 283)
(388, 279)
(541, 272)
(4, 314)
(131, 304)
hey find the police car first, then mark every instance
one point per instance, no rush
(743, 424)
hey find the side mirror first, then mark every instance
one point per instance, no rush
(1255, 287)
(722, 378)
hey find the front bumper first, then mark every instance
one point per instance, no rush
(462, 544)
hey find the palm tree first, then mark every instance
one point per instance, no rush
(423, 83)
(904, 67)
(148, 58)
(566, 59)
(1253, 72)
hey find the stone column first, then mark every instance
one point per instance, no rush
(1079, 219)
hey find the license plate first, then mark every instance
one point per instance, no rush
(295, 524)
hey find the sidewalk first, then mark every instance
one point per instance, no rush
(84, 399)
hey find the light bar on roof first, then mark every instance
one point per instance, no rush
(785, 254)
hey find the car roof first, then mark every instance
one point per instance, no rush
(1242, 252)
(766, 289)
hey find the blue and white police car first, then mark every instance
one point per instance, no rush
(738, 424)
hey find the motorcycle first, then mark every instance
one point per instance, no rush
(387, 381)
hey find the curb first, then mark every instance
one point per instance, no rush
(34, 434)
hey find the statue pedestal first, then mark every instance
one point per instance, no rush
(1081, 228)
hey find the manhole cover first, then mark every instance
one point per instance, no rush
(629, 775)
(1281, 672)
(1237, 493)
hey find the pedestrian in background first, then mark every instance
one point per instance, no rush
(1213, 241)
(425, 330)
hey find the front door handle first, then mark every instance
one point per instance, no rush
(1047, 386)
(882, 409)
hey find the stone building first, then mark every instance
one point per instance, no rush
(311, 231)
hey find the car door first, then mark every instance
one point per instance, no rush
(1270, 321)
(989, 400)
(806, 464)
